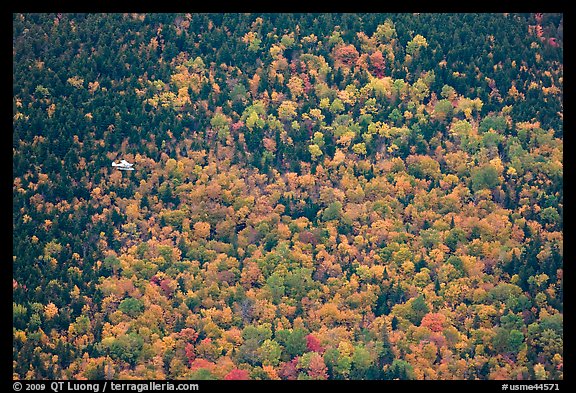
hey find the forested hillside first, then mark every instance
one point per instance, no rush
(315, 196)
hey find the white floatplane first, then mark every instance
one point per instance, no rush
(123, 165)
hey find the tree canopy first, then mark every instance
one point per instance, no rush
(314, 196)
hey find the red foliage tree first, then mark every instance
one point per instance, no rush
(317, 368)
(346, 54)
(434, 321)
(167, 287)
(289, 370)
(313, 344)
(238, 375)
(377, 63)
(190, 353)
(189, 334)
(202, 363)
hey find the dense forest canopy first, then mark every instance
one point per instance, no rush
(315, 196)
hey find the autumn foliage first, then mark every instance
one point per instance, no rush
(314, 196)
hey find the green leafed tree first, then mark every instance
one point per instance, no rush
(400, 369)
(333, 211)
(418, 308)
(221, 125)
(315, 151)
(270, 352)
(385, 32)
(485, 177)
(414, 45)
(127, 347)
(131, 307)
